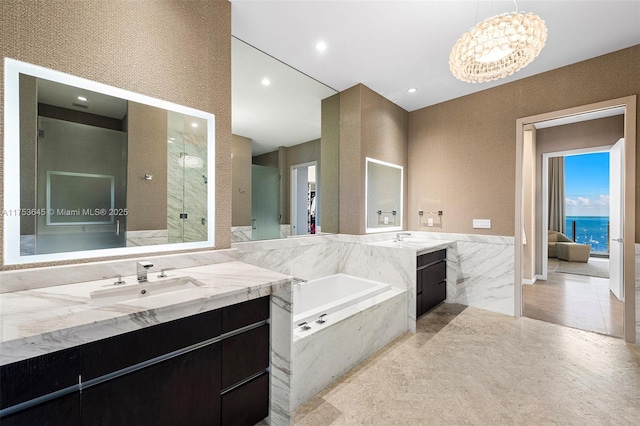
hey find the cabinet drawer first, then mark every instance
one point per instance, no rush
(117, 352)
(34, 377)
(183, 390)
(245, 355)
(426, 259)
(245, 313)
(247, 404)
(62, 411)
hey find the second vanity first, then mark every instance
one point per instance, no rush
(69, 357)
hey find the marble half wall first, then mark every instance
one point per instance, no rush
(302, 257)
(480, 269)
(147, 238)
(240, 234)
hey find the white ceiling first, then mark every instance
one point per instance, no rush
(284, 113)
(391, 46)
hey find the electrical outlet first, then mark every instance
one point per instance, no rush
(430, 221)
(482, 223)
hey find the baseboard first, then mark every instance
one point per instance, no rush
(530, 281)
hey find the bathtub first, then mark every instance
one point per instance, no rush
(361, 317)
(331, 294)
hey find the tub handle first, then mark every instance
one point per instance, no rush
(321, 319)
(304, 326)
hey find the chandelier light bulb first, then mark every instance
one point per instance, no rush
(498, 47)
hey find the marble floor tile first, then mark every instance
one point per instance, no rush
(470, 366)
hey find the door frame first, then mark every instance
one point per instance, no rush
(293, 194)
(628, 209)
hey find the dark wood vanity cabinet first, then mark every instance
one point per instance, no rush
(431, 281)
(35, 378)
(209, 368)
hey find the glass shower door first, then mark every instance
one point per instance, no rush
(80, 181)
(265, 202)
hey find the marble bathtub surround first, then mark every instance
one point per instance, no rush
(480, 269)
(325, 352)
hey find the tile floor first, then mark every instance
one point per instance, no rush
(470, 366)
(577, 301)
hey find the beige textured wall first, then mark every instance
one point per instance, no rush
(126, 44)
(270, 159)
(587, 134)
(370, 126)
(462, 152)
(330, 157)
(351, 167)
(147, 154)
(385, 134)
(241, 181)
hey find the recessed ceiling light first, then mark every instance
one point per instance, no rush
(412, 90)
(82, 98)
(194, 125)
(321, 46)
(266, 81)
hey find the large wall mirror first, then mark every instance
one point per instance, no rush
(276, 147)
(92, 170)
(383, 202)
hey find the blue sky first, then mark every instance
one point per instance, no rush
(587, 184)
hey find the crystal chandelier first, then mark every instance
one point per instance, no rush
(498, 47)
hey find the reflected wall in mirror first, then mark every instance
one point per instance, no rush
(275, 126)
(93, 170)
(383, 202)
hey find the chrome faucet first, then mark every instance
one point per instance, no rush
(142, 268)
(399, 235)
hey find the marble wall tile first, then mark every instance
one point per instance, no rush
(485, 276)
(281, 356)
(240, 234)
(293, 256)
(147, 238)
(393, 266)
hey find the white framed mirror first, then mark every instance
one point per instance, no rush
(383, 200)
(96, 171)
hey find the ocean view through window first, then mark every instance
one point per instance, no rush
(592, 230)
(587, 200)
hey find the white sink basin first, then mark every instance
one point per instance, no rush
(131, 292)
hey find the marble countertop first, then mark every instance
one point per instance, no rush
(38, 321)
(417, 245)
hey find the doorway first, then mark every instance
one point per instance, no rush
(574, 287)
(627, 204)
(304, 198)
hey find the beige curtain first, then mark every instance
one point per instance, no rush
(557, 219)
